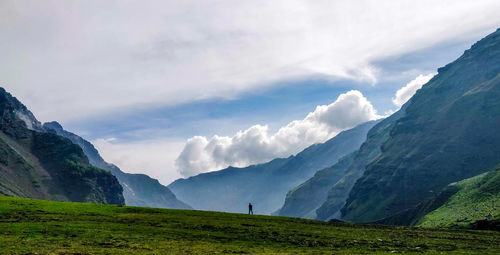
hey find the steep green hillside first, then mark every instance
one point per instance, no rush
(29, 226)
(463, 204)
(265, 185)
(37, 164)
(412, 216)
(449, 133)
(474, 199)
(138, 189)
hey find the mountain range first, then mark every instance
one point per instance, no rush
(48, 162)
(447, 132)
(138, 189)
(265, 185)
(434, 162)
(325, 193)
(394, 170)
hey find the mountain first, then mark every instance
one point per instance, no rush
(138, 189)
(460, 204)
(38, 164)
(449, 132)
(265, 185)
(369, 150)
(303, 200)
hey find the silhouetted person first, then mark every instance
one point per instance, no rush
(250, 208)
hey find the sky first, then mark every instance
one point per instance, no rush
(177, 88)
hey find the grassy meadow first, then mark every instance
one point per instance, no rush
(29, 226)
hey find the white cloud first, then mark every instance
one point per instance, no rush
(95, 57)
(67, 60)
(256, 145)
(151, 157)
(158, 158)
(405, 93)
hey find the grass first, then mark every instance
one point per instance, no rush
(477, 198)
(29, 226)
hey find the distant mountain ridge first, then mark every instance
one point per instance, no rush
(138, 189)
(38, 164)
(304, 200)
(265, 185)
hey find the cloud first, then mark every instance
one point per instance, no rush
(405, 93)
(151, 157)
(98, 57)
(257, 145)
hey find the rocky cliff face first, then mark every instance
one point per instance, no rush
(38, 164)
(138, 189)
(450, 131)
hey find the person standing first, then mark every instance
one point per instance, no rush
(250, 208)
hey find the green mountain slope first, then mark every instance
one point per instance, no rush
(138, 189)
(29, 226)
(37, 164)
(473, 199)
(461, 204)
(265, 185)
(449, 133)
